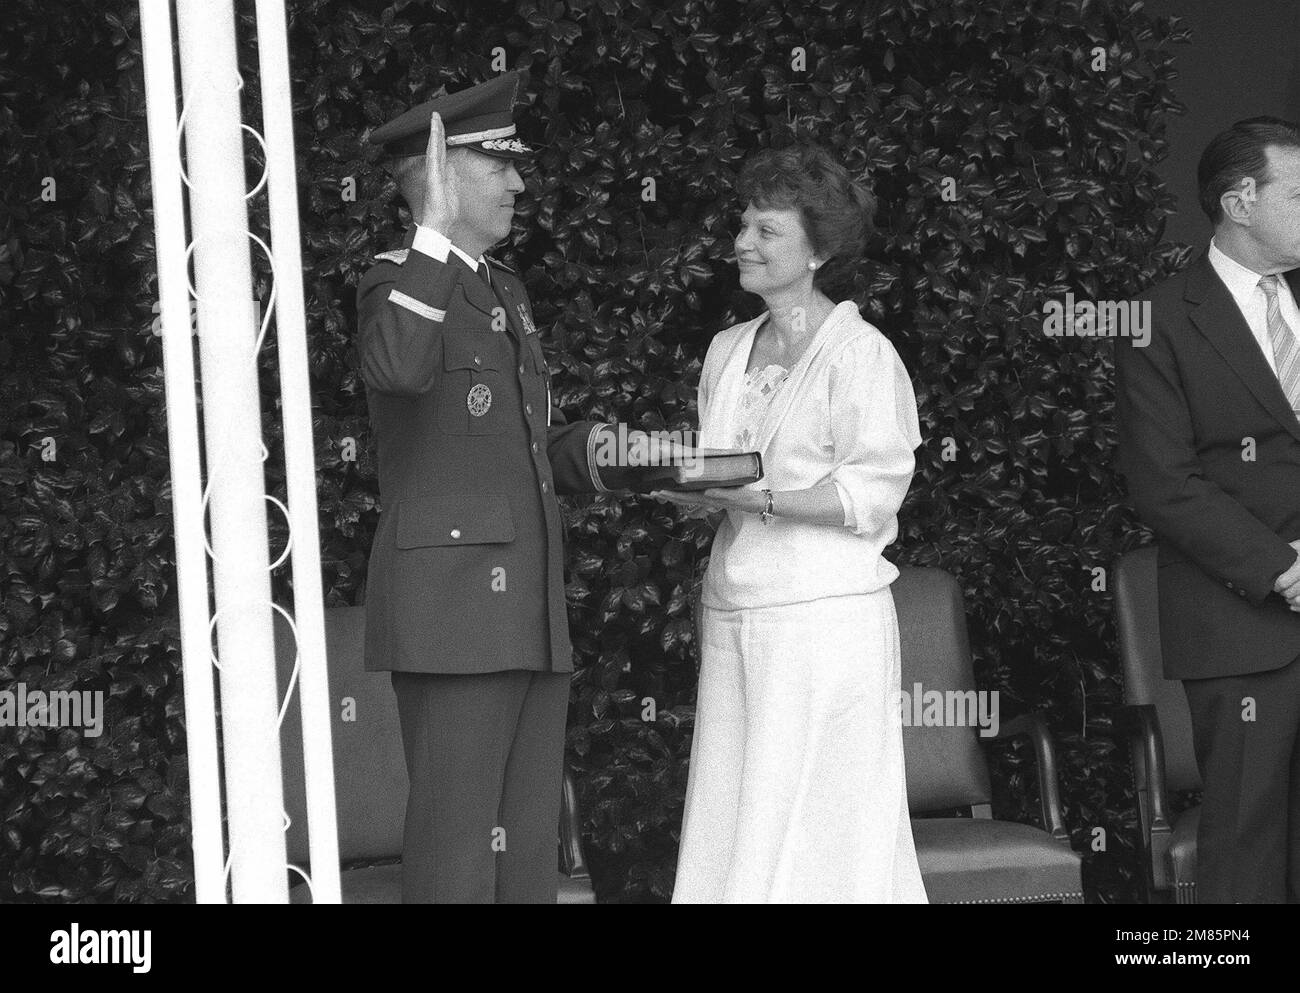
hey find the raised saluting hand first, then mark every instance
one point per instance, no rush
(441, 206)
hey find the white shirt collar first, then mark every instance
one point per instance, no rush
(468, 261)
(1241, 282)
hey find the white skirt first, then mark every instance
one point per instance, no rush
(796, 791)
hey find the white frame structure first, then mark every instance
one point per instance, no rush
(248, 763)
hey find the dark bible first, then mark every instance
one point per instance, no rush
(701, 471)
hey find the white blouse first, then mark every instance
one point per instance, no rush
(845, 413)
(760, 389)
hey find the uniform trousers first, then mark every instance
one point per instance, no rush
(1246, 732)
(484, 753)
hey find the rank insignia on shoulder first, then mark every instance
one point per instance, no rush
(479, 399)
(526, 321)
(398, 255)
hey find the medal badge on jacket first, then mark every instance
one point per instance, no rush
(526, 321)
(479, 399)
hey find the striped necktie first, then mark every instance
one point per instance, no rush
(1286, 350)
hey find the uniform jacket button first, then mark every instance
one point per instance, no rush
(455, 532)
(528, 408)
(534, 448)
(521, 368)
(478, 360)
(544, 487)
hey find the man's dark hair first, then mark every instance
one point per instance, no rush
(1234, 154)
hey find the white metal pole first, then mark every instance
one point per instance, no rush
(183, 448)
(299, 451)
(233, 430)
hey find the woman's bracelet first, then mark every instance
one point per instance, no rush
(767, 514)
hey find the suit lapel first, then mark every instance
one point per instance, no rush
(1216, 315)
(512, 301)
(483, 299)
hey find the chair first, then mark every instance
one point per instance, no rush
(972, 859)
(370, 774)
(1158, 726)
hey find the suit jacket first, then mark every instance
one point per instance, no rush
(1186, 404)
(466, 571)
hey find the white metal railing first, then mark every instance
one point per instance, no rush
(249, 763)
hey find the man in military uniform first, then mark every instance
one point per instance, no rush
(465, 600)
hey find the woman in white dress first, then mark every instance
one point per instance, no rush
(796, 791)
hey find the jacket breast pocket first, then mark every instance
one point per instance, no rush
(472, 388)
(454, 519)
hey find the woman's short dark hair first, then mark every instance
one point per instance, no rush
(836, 211)
(1239, 152)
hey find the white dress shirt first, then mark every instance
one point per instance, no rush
(1243, 284)
(437, 245)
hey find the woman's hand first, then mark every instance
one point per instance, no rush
(687, 501)
(716, 498)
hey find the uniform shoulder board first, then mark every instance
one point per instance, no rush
(398, 255)
(500, 265)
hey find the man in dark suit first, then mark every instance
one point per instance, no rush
(465, 596)
(1209, 443)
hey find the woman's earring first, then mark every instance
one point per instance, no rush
(812, 265)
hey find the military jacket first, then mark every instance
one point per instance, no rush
(466, 572)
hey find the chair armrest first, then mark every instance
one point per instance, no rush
(1049, 791)
(575, 865)
(1139, 724)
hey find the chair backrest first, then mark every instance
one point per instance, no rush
(1137, 616)
(370, 784)
(945, 766)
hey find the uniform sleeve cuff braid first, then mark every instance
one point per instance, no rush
(416, 307)
(592, 440)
